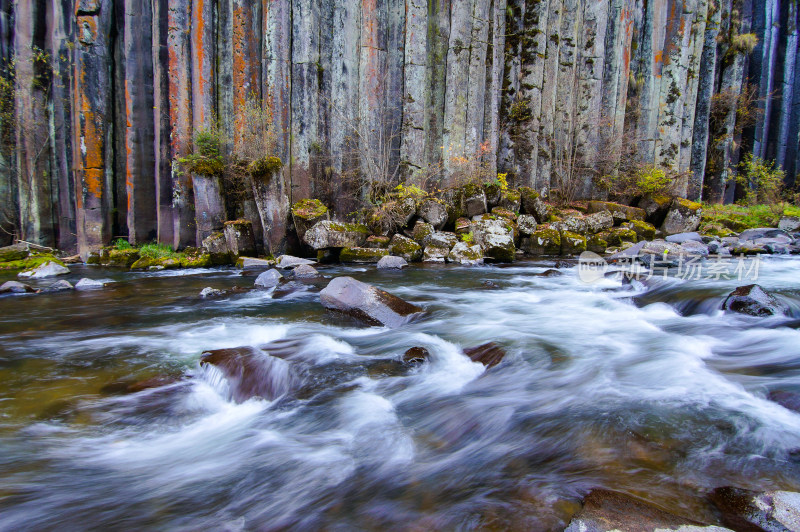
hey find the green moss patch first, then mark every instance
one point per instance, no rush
(309, 209)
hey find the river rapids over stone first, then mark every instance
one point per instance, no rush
(108, 419)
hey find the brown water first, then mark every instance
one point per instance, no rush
(660, 396)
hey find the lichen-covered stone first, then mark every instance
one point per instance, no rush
(643, 230)
(328, 234)
(15, 252)
(598, 222)
(504, 213)
(435, 254)
(362, 255)
(421, 232)
(526, 224)
(216, 245)
(510, 200)
(405, 247)
(197, 261)
(533, 204)
(619, 212)
(377, 241)
(498, 247)
(466, 254)
(572, 243)
(596, 244)
(683, 217)
(790, 224)
(617, 235)
(442, 239)
(239, 237)
(655, 207)
(434, 212)
(575, 223)
(306, 213)
(463, 226)
(544, 241)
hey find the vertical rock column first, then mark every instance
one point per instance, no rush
(140, 160)
(32, 98)
(415, 91)
(436, 62)
(786, 148)
(8, 186)
(91, 115)
(372, 109)
(494, 80)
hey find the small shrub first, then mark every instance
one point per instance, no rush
(744, 43)
(467, 237)
(205, 159)
(264, 167)
(122, 243)
(156, 251)
(763, 181)
(652, 180)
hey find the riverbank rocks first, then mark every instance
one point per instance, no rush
(123, 258)
(489, 354)
(254, 263)
(596, 244)
(643, 230)
(433, 212)
(442, 239)
(754, 301)
(656, 206)
(59, 286)
(475, 202)
(403, 246)
(305, 271)
(327, 234)
(250, 372)
(367, 303)
(533, 204)
(15, 287)
(599, 222)
(14, 252)
(526, 224)
(543, 241)
(495, 238)
(617, 235)
(421, 232)
(363, 255)
(89, 284)
(239, 237)
(290, 261)
(390, 262)
(466, 254)
(683, 217)
(605, 510)
(680, 238)
(620, 213)
(216, 246)
(268, 279)
(761, 233)
(790, 224)
(572, 243)
(750, 510)
(306, 213)
(48, 269)
(435, 254)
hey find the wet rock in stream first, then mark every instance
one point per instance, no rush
(772, 511)
(367, 303)
(251, 372)
(754, 301)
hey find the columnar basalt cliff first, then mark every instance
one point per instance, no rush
(101, 97)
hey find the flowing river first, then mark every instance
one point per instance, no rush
(650, 391)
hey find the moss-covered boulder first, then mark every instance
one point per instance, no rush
(15, 252)
(617, 235)
(643, 230)
(526, 224)
(533, 204)
(306, 213)
(655, 207)
(239, 237)
(466, 254)
(463, 226)
(30, 262)
(362, 255)
(216, 245)
(544, 241)
(422, 232)
(157, 263)
(599, 222)
(596, 244)
(442, 239)
(123, 258)
(50, 268)
(377, 241)
(574, 223)
(714, 229)
(493, 193)
(435, 254)
(620, 213)
(402, 246)
(572, 243)
(196, 261)
(683, 217)
(433, 211)
(501, 212)
(510, 200)
(328, 234)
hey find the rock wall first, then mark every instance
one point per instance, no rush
(106, 95)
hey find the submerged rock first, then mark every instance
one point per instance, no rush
(305, 271)
(489, 354)
(367, 303)
(391, 262)
(605, 510)
(48, 269)
(89, 284)
(787, 399)
(59, 286)
(754, 301)
(210, 292)
(751, 510)
(250, 372)
(15, 287)
(268, 279)
(416, 356)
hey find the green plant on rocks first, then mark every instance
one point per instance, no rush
(264, 167)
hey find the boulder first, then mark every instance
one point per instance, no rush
(683, 217)
(466, 254)
(327, 234)
(543, 241)
(239, 237)
(510, 200)
(442, 239)
(643, 230)
(435, 254)
(305, 271)
(765, 232)
(526, 223)
(405, 247)
(123, 258)
(692, 247)
(751, 510)
(680, 238)
(598, 222)
(620, 213)
(402, 211)
(89, 284)
(656, 207)
(268, 279)
(596, 244)
(250, 372)
(377, 242)
(59, 286)
(433, 212)
(496, 239)
(216, 245)
(210, 292)
(790, 224)
(574, 224)
(253, 263)
(463, 226)
(500, 212)
(48, 269)
(475, 203)
(617, 235)
(390, 262)
(489, 354)
(290, 261)
(15, 287)
(306, 213)
(754, 301)
(533, 204)
(416, 356)
(572, 243)
(605, 510)
(367, 303)
(15, 252)
(748, 248)
(421, 232)
(363, 255)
